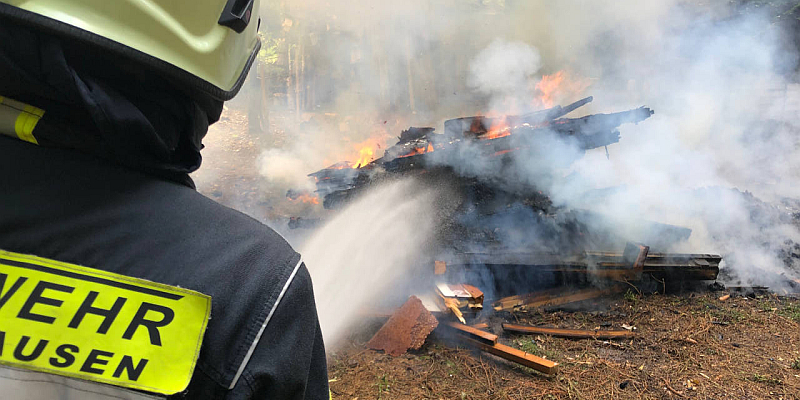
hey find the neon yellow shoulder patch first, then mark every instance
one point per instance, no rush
(18, 119)
(90, 324)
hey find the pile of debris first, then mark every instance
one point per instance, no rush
(461, 314)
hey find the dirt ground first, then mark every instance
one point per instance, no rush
(687, 345)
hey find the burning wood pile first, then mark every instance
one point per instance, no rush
(553, 265)
(420, 150)
(494, 203)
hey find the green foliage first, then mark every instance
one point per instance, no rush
(531, 347)
(383, 385)
(631, 296)
(792, 312)
(765, 306)
(452, 368)
(729, 315)
(766, 379)
(796, 364)
(269, 48)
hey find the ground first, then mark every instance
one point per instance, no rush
(688, 345)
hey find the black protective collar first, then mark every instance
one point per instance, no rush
(99, 104)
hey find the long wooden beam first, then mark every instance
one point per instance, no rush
(570, 333)
(517, 356)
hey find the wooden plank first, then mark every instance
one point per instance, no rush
(553, 298)
(439, 267)
(407, 329)
(474, 333)
(570, 333)
(508, 303)
(517, 356)
(636, 253)
(600, 265)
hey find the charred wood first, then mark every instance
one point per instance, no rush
(600, 264)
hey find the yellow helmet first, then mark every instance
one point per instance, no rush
(206, 44)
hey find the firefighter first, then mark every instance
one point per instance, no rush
(116, 277)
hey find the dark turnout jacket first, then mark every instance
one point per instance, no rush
(102, 181)
(74, 208)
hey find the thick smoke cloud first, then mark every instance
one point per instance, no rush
(719, 79)
(504, 71)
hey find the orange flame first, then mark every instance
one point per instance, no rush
(556, 87)
(418, 150)
(366, 150)
(498, 129)
(364, 157)
(548, 86)
(551, 88)
(306, 198)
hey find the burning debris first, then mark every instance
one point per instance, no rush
(420, 150)
(496, 193)
(303, 197)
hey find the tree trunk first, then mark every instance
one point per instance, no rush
(410, 75)
(289, 97)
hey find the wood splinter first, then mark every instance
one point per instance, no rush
(570, 333)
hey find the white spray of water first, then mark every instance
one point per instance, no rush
(365, 251)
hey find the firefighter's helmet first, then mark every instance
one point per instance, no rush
(208, 45)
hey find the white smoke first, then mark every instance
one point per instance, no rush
(712, 76)
(286, 167)
(504, 71)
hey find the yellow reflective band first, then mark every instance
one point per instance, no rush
(26, 121)
(85, 323)
(24, 116)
